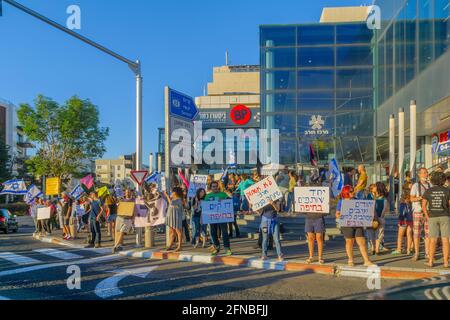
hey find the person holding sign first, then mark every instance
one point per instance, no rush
(216, 195)
(352, 233)
(197, 227)
(175, 217)
(270, 226)
(95, 213)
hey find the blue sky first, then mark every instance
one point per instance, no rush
(178, 43)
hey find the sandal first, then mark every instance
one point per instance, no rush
(350, 263)
(321, 261)
(415, 258)
(428, 264)
(309, 260)
(369, 264)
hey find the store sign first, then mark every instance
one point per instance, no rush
(317, 126)
(241, 115)
(213, 117)
(441, 143)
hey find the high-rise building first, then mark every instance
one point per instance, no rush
(116, 170)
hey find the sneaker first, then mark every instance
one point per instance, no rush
(229, 253)
(396, 253)
(214, 253)
(98, 245)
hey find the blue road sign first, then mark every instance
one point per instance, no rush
(181, 105)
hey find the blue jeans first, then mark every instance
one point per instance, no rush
(95, 231)
(197, 229)
(276, 240)
(290, 201)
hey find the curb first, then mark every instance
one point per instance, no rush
(253, 262)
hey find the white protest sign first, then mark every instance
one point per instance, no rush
(154, 213)
(260, 194)
(140, 216)
(357, 213)
(214, 212)
(163, 186)
(196, 182)
(43, 213)
(312, 199)
(80, 211)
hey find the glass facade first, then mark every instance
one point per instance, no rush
(317, 88)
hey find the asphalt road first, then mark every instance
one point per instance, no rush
(30, 269)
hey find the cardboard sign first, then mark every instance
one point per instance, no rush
(312, 199)
(357, 213)
(43, 213)
(214, 212)
(196, 182)
(260, 194)
(52, 186)
(126, 209)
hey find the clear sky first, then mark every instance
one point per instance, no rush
(178, 43)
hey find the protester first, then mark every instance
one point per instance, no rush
(419, 221)
(348, 177)
(352, 233)
(315, 230)
(381, 209)
(435, 206)
(95, 213)
(32, 210)
(111, 214)
(66, 211)
(234, 225)
(292, 184)
(405, 223)
(217, 195)
(174, 218)
(197, 228)
(186, 216)
(123, 224)
(362, 183)
(243, 185)
(282, 180)
(270, 227)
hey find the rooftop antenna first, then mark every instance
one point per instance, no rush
(226, 57)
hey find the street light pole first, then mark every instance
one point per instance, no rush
(135, 66)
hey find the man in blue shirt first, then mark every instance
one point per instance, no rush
(95, 212)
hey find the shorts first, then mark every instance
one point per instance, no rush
(314, 225)
(420, 222)
(353, 232)
(404, 224)
(124, 225)
(112, 218)
(439, 227)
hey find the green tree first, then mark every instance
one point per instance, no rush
(5, 161)
(66, 135)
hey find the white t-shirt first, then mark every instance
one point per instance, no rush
(417, 205)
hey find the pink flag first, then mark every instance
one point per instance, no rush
(182, 177)
(88, 181)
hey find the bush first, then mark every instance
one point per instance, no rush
(18, 208)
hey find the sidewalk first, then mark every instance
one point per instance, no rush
(296, 252)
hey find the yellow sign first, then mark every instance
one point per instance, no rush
(52, 186)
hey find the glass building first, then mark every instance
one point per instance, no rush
(317, 89)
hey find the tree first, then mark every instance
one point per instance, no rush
(5, 161)
(66, 136)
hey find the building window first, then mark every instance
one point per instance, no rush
(315, 35)
(278, 36)
(316, 57)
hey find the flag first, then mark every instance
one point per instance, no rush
(312, 156)
(33, 193)
(102, 191)
(77, 192)
(14, 187)
(337, 182)
(225, 174)
(88, 181)
(153, 178)
(182, 177)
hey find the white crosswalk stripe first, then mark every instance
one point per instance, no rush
(18, 259)
(59, 254)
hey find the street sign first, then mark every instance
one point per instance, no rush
(181, 105)
(139, 176)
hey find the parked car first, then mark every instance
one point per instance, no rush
(8, 222)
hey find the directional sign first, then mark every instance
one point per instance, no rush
(181, 105)
(139, 176)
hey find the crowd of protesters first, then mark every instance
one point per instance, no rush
(424, 208)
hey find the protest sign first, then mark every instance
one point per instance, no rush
(81, 211)
(220, 211)
(155, 213)
(126, 209)
(163, 184)
(312, 199)
(357, 213)
(52, 186)
(43, 213)
(196, 182)
(140, 218)
(260, 194)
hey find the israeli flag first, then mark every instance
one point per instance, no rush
(153, 178)
(33, 193)
(14, 187)
(77, 192)
(337, 182)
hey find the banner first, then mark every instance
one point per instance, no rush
(43, 213)
(260, 194)
(33, 193)
(153, 215)
(357, 213)
(312, 199)
(197, 182)
(88, 182)
(77, 192)
(14, 187)
(337, 181)
(140, 216)
(52, 186)
(214, 212)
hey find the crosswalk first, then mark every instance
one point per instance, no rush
(41, 255)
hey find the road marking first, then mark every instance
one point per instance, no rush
(59, 264)
(108, 287)
(63, 255)
(17, 259)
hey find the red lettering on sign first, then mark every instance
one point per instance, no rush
(241, 115)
